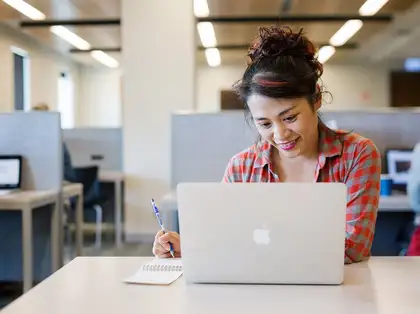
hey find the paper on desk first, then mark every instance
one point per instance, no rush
(157, 272)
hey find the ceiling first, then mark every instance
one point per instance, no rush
(98, 36)
(229, 33)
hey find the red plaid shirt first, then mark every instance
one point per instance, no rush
(343, 157)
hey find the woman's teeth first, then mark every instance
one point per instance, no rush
(289, 145)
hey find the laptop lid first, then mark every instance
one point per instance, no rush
(263, 232)
(10, 172)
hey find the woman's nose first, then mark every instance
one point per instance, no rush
(280, 132)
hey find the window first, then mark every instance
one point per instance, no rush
(21, 79)
(66, 100)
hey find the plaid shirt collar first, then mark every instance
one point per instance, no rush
(330, 145)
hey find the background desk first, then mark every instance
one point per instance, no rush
(117, 179)
(26, 202)
(88, 285)
(76, 190)
(395, 203)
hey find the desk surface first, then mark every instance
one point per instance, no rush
(93, 285)
(72, 189)
(18, 199)
(397, 202)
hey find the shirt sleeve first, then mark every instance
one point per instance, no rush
(363, 190)
(228, 175)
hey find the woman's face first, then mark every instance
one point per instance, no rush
(290, 125)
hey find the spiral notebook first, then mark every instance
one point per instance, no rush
(157, 272)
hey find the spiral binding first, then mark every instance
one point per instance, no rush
(162, 267)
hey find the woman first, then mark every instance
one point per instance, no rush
(281, 95)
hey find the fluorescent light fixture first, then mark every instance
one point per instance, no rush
(346, 31)
(325, 53)
(104, 58)
(70, 37)
(207, 35)
(26, 9)
(213, 57)
(371, 7)
(201, 8)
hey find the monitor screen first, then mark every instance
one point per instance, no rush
(10, 168)
(399, 163)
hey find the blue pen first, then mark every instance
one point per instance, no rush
(155, 209)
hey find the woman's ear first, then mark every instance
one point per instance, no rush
(318, 102)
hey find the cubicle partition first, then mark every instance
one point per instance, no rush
(388, 128)
(95, 146)
(37, 137)
(203, 143)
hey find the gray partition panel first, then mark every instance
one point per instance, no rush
(95, 146)
(385, 129)
(37, 137)
(203, 143)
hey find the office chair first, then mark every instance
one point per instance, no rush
(92, 198)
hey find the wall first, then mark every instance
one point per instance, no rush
(211, 81)
(100, 97)
(157, 81)
(352, 86)
(357, 86)
(45, 67)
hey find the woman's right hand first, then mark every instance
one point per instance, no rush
(161, 244)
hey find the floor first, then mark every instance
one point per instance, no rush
(10, 292)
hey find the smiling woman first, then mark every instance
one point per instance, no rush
(281, 94)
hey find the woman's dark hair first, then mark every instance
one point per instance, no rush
(282, 64)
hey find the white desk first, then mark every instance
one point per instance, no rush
(27, 201)
(396, 202)
(93, 285)
(76, 190)
(117, 178)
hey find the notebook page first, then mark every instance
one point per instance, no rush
(157, 272)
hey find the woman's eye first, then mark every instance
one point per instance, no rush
(265, 125)
(290, 119)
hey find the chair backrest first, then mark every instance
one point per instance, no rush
(88, 176)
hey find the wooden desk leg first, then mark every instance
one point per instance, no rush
(79, 225)
(56, 237)
(117, 208)
(27, 248)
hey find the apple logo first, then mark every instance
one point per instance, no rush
(262, 236)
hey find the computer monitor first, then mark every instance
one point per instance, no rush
(10, 172)
(398, 163)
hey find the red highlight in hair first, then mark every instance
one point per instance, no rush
(270, 83)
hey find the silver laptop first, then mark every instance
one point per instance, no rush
(263, 233)
(10, 173)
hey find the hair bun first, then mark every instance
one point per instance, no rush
(274, 41)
